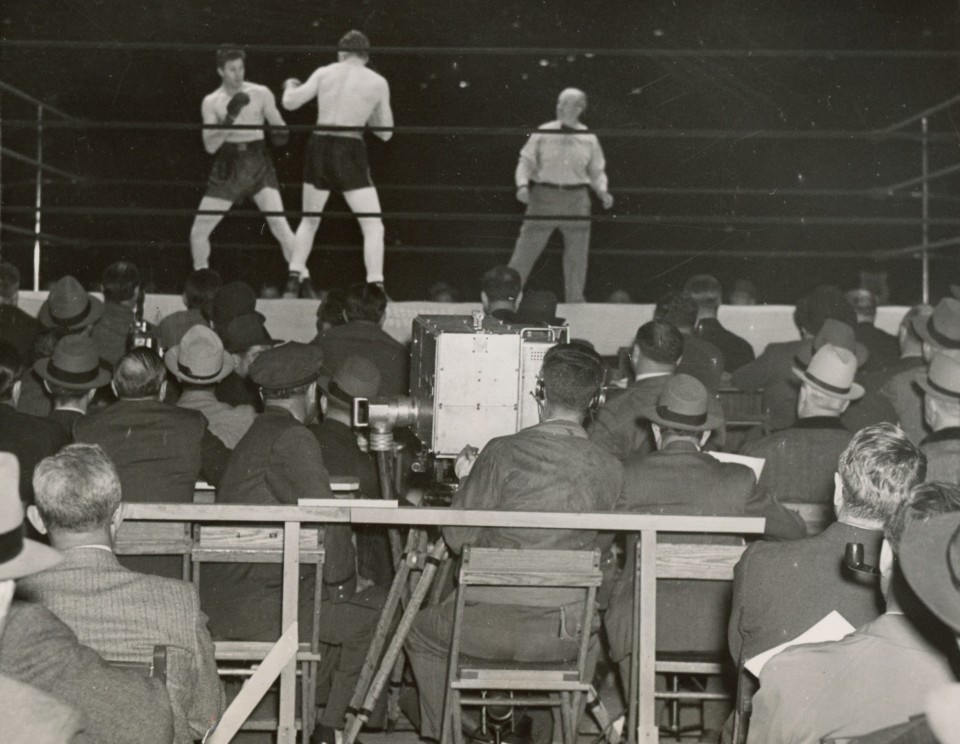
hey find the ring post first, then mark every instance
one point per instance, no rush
(925, 228)
(38, 200)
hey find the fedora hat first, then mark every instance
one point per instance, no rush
(943, 376)
(75, 364)
(684, 404)
(19, 556)
(356, 377)
(199, 357)
(69, 307)
(246, 331)
(826, 301)
(834, 332)
(831, 371)
(930, 558)
(942, 328)
(538, 306)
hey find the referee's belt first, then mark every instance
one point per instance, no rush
(561, 186)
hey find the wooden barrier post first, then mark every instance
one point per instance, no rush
(646, 637)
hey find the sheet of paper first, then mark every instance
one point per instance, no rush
(352, 503)
(754, 463)
(832, 628)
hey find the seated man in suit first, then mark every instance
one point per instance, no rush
(199, 292)
(883, 347)
(772, 371)
(120, 614)
(706, 292)
(279, 461)
(30, 438)
(17, 328)
(877, 676)
(618, 427)
(199, 363)
(941, 408)
(898, 382)
(363, 335)
(72, 375)
(122, 290)
(551, 466)
(700, 358)
(781, 590)
(681, 479)
(115, 706)
(801, 459)
(500, 292)
(244, 338)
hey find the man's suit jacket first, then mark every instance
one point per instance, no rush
(618, 427)
(34, 716)
(771, 372)
(366, 339)
(20, 330)
(160, 450)
(884, 349)
(877, 676)
(801, 460)
(736, 351)
(30, 438)
(122, 615)
(278, 461)
(942, 449)
(782, 589)
(702, 360)
(66, 418)
(118, 706)
(680, 480)
(906, 398)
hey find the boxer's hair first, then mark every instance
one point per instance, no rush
(356, 43)
(227, 53)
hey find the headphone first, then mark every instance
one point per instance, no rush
(585, 358)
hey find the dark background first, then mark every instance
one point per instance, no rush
(509, 90)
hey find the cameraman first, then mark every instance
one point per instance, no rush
(551, 466)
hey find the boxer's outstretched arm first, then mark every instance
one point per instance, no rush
(295, 93)
(270, 111)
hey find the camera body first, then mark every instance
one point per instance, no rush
(472, 378)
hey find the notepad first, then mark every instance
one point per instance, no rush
(833, 627)
(754, 463)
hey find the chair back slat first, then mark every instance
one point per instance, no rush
(153, 538)
(698, 561)
(505, 567)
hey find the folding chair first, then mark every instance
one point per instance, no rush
(698, 562)
(246, 544)
(469, 679)
(151, 538)
(743, 409)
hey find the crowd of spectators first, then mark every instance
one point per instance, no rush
(99, 408)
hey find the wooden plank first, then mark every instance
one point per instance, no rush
(647, 638)
(697, 561)
(617, 522)
(343, 484)
(236, 513)
(287, 730)
(533, 579)
(153, 538)
(254, 538)
(284, 653)
(254, 651)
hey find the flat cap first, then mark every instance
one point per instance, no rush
(287, 366)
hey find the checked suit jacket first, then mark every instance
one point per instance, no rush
(122, 615)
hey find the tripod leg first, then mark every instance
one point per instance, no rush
(370, 664)
(356, 721)
(386, 492)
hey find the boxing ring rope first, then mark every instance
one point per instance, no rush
(891, 132)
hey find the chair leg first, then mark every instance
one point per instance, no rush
(675, 706)
(569, 735)
(456, 719)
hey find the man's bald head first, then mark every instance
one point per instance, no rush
(574, 95)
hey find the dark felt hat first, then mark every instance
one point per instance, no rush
(246, 331)
(837, 333)
(356, 377)
(826, 301)
(287, 366)
(75, 364)
(942, 328)
(684, 404)
(69, 307)
(538, 306)
(929, 556)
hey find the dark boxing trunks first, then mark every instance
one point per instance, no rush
(241, 169)
(336, 163)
